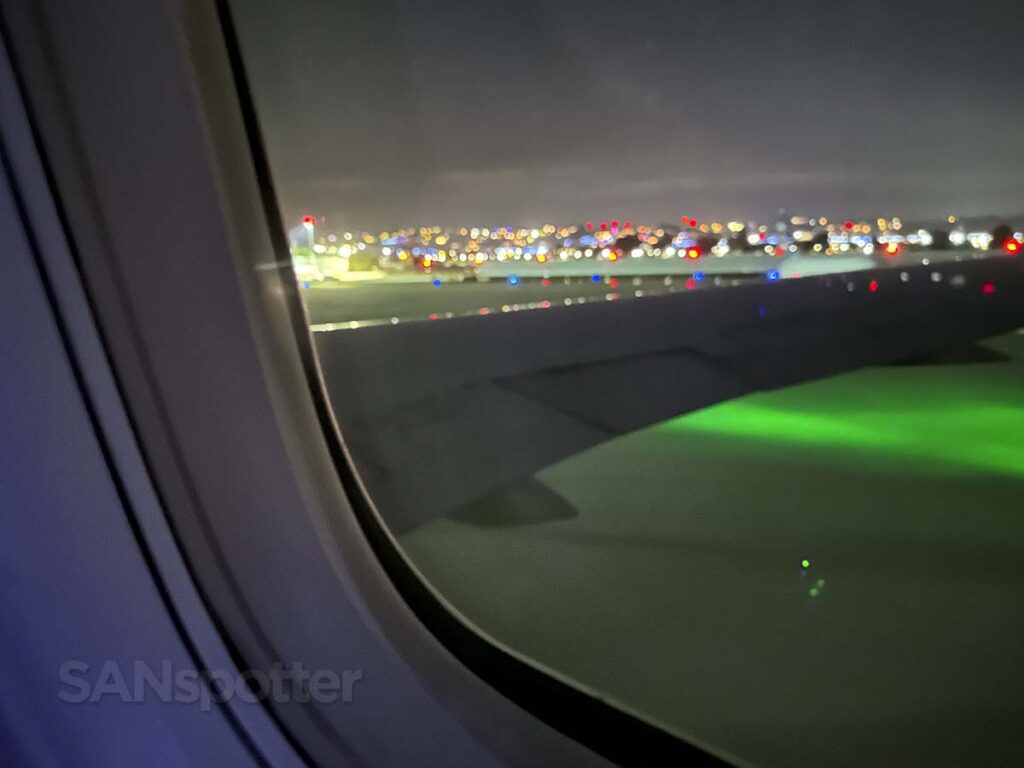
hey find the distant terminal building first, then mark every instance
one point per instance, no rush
(303, 236)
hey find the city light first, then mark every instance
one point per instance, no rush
(519, 253)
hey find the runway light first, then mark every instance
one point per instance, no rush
(774, 275)
(614, 282)
(513, 280)
(873, 286)
(596, 278)
(698, 276)
(988, 288)
(545, 282)
(437, 282)
(690, 283)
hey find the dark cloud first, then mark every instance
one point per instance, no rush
(380, 113)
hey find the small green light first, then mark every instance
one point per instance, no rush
(805, 563)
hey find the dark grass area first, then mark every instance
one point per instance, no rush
(382, 300)
(413, 296)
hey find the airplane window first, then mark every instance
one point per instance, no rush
(680, 345)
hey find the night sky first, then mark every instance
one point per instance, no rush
(386, 113)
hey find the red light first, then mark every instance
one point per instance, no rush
(308, 220)
(1012, 246)
(615, 223)
(873, 286)
(988, 288)
(590, 226)
(545, 282)
(693, 253)
(484, 311)
(432, 316)
(604, 226)
(693, 222)
(690, 283)
(614, 282)
(848, 225)
(628, 224)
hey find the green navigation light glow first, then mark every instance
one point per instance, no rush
(933, 419)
